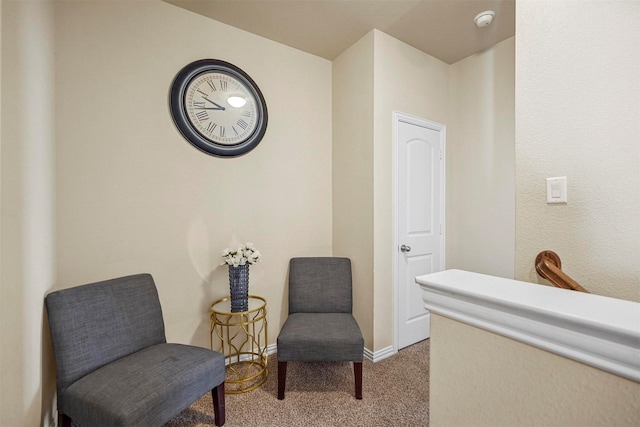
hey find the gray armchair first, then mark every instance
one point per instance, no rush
(113, 364)
(320, 326)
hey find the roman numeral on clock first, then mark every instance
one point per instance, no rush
(211, 126)
(202, 115)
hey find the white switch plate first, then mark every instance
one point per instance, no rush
(557, 189)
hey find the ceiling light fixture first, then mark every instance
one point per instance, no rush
(484, 19)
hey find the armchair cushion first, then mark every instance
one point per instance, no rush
(144, 388)
(320, 337)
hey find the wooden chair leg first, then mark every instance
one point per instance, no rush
(357, 371)
(218, 404)
(282, 378)
(63, 420)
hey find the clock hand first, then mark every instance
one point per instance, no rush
(220, 107)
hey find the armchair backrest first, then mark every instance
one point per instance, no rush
(93, 325)
(320, 285)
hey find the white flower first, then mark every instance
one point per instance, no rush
(244, 254)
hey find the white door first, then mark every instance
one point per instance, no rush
(420, 219)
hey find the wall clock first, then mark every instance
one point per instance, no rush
(218, 108)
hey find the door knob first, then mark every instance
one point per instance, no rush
(405, 248)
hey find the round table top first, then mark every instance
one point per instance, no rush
(223, 305)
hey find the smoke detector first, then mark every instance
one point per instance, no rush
(484, 19)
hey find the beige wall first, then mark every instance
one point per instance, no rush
(414, 83)
(481, 162)
(28, 211)
(122, 192)
(131, 194)
(478, 378)
(577, 110)
(352, 179)
(373, 72)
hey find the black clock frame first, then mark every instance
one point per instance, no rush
(188, 131)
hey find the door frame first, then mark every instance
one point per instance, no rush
(442, 129)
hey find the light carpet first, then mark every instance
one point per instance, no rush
(395, 393)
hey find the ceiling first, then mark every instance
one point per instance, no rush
(326, 28)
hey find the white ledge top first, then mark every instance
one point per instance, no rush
(600, 331)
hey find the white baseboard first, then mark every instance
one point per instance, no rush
(380, 354)
(368, 354)
(272, 349)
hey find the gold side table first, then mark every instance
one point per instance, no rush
(242, 338)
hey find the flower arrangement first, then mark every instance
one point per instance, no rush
(244, 254)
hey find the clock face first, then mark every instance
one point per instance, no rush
(218, 108)
(221, 108)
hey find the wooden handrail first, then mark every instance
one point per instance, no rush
(548, 266)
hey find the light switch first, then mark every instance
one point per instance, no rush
(557, 189)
